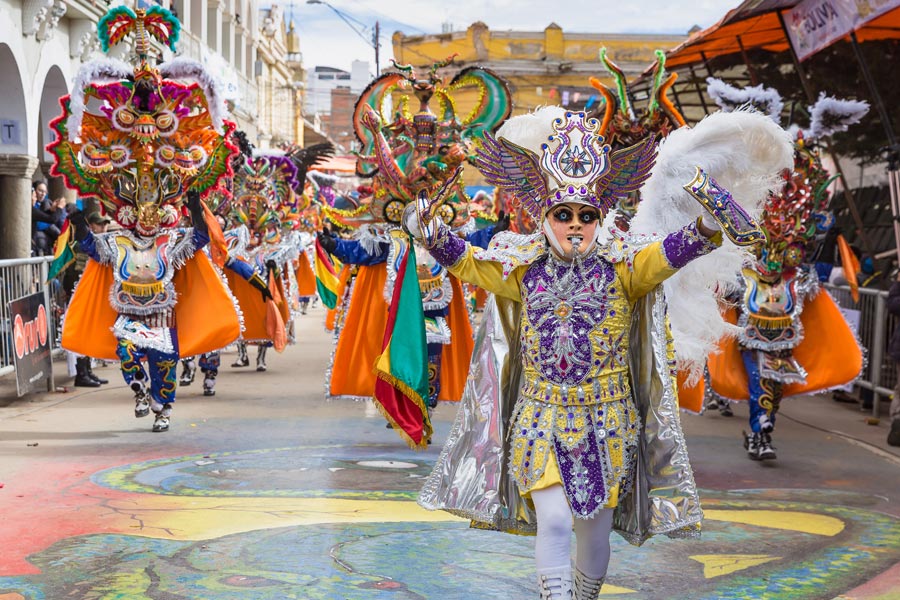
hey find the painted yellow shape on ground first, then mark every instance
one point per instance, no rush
(614, 589)
(780, 519)
(716, 565)
(172, 517)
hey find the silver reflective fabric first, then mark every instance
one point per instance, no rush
(471, 477)
(664, 499)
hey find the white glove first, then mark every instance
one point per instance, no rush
(707, 221)
(411, 221)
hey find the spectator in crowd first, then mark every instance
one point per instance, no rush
(893, 306)
(47, 218)
(84, 374)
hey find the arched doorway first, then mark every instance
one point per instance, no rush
(16, 165)
(54, 88)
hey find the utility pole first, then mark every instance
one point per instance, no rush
(376, 43)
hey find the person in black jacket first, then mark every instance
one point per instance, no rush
(893, 306)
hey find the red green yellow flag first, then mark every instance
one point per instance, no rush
(327, 279)
(63, 252)
(401, 388)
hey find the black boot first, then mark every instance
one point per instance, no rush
(81, 378)
(92, 375)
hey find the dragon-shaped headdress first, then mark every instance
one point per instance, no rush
(793, 217)
(137, 138)
(622, 124)
(414, 136)
(264, 195)
(553, 156)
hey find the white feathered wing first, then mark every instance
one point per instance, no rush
(745, 152)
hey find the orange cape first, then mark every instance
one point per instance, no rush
(204, 315)
(362, 333)
(306, 279)
(255, 310)
(829, 353)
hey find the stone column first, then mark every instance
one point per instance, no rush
(15, 204)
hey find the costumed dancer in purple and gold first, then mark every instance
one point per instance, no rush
(141, 140)
(574, 352)
(793, 338)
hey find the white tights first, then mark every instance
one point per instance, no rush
(553, 546)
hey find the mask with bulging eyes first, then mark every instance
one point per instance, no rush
(572, 228)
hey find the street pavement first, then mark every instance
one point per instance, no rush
(268, 491)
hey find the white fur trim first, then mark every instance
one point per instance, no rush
(101, 70)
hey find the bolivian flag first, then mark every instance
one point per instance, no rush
(327, 279)
(401, 388)
(63, 252)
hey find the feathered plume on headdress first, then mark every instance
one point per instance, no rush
(729, 98)
(831, 115)
(744, 151)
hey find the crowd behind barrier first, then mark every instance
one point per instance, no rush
(21, 277)
(876, 326)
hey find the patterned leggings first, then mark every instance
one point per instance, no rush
(161, 364)
(209, 362)
(765, 395)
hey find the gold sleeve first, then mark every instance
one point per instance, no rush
(488, 274)
(649, 269)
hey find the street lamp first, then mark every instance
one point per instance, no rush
(374, 42)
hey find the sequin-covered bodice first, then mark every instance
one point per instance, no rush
(574, 331)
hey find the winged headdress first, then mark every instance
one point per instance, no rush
(574, 164)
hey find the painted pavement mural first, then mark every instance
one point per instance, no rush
(335, 522)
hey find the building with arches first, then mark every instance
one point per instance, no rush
(43, 43)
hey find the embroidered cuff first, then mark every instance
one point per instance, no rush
(448, 248)
(683, 246)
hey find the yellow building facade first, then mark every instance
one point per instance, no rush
(544, 67)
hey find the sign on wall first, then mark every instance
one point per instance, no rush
(31, 342)
(815, 24)
(10, 132)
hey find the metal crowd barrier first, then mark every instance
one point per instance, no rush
(876, 325)
(21, 277)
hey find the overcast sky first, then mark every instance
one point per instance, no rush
(326, 40)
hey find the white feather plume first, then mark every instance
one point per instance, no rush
(744, 151)
(532, 129)
(830, 115)
(101, 70)
(730, 98)
(186, 69)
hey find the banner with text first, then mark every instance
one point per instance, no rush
(31, 342)
(815, 24)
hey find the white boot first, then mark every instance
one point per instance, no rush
(555, 584)
(587, 588)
